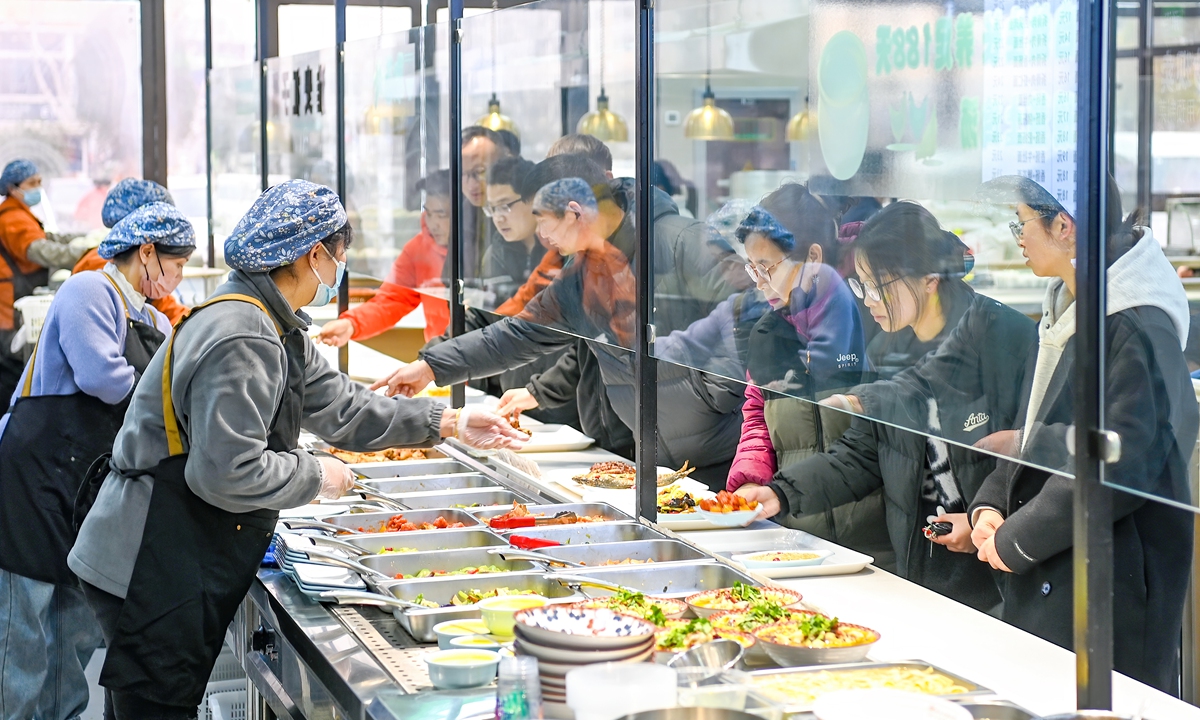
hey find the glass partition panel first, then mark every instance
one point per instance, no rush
(235, 149)
(855, 166)
(301, 126)
(397, 191)
(1153, 337)
(70, 101)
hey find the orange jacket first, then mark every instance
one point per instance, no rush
(169, 306)
(18, 230)
(419, 266)
(544, 274)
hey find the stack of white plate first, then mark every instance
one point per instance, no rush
(312, 579)
(563, 638)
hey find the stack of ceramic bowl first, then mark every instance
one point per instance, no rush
(311, 578)
(563, 638)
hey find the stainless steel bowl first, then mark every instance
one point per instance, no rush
(997, 710)
(703, 664)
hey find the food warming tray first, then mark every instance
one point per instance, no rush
(378, 519)
(444, 560)
(674, 580)
(608, 512)
(410, 468)
(419, 623)
(430, 483)
(463, 499)
(593, 555)
(586, 533)
(419, 541)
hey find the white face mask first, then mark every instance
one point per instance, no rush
(325, 293)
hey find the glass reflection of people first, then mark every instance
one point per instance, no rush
(1023, 515)
(513, 256)
(590, 299)
(481, 148)
(418, 267)
(910, 274)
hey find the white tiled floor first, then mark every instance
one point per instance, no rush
(95, 708)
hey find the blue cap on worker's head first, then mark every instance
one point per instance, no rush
(15, 173)
(157, 223)
(284, 222)
(129, 195)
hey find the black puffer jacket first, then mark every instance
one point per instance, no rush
(575, 379)
(1152, 406)
(975, 371)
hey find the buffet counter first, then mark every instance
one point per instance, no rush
(309, 660)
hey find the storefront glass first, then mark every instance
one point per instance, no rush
(235, 150)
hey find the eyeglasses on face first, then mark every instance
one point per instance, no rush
(866, 290)
(759, 274)
(500, 209)
(1018, 226)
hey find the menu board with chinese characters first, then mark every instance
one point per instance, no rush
(1029, 101)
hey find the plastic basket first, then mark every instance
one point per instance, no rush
(33, 309)
(227, 668)
(227, 705)
(203, 712)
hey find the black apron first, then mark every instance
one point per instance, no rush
(196, 561)
(44, 456)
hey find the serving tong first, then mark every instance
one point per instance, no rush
(379, 498)
(566, 517)
(575, 582)
(508, 553)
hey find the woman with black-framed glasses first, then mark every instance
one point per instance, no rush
(957, 358)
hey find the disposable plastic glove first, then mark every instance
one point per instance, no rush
(486, 430)
(336, 478)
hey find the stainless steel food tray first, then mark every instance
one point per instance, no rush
(604, 510)
(444, 560)
(426, 541)
(657, 551)
(973, 689)
(431, 483)
(461, 499)
(996, 710)
(673, 580)
(411, 468)
(419, 623)
(586, 533)
(378, 519)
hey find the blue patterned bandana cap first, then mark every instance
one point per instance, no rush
(129, 195)
(15, 173)
(157, 223)
(285, 222)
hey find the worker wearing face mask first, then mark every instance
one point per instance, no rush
(98, 337)
(26, 258)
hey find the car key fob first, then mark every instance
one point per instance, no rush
(937, 529)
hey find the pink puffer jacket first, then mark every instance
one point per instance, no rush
(755, 458)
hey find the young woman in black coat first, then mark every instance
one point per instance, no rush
(1023, 515)
(910, 274)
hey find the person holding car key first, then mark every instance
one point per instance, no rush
(207, 454)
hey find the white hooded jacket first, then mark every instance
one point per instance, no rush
(1141, 277)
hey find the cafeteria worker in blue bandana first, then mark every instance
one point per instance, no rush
(97, 340)
(207, 454)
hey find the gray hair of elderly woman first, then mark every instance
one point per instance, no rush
(556, 196)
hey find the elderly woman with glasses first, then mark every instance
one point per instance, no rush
(965, 355)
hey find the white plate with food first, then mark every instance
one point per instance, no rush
(732, 543)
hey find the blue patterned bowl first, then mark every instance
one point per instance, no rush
(575, 628)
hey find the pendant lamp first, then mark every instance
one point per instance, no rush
(799, 127)
(603, 124)
(708, 122)
(494, 119)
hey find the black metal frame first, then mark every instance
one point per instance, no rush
(339, 23)
(211, 260)
(154, 91)
(1093, 546)
(1093, 526)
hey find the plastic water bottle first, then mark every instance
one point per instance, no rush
(519, 691)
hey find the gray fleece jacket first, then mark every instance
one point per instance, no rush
(227, 381)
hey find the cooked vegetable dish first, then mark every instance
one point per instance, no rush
(676, 501)
(727, 502)
(803, 688)
(397, 523)
(763, 612)
(653, 609)
(470, 597)
(811, 630)
(427, 573)
(740, 597)
(680, 635)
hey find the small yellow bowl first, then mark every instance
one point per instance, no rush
(498, 611)
(478, 642)
(446, 631)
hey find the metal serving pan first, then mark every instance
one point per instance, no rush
(973, 689)
(673, 580)
(444, 560)
(378, 519)
(411, 468)
(419, 623)
(604, 510)
(431, 483)
(587, 533)
(373, 543)
(997, 710)
(463, 499)
(595, 555)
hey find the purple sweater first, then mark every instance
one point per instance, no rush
(82, 344)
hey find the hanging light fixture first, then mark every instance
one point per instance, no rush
(494, 119)
(800, 125)
(603, 124)
(708, 122)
